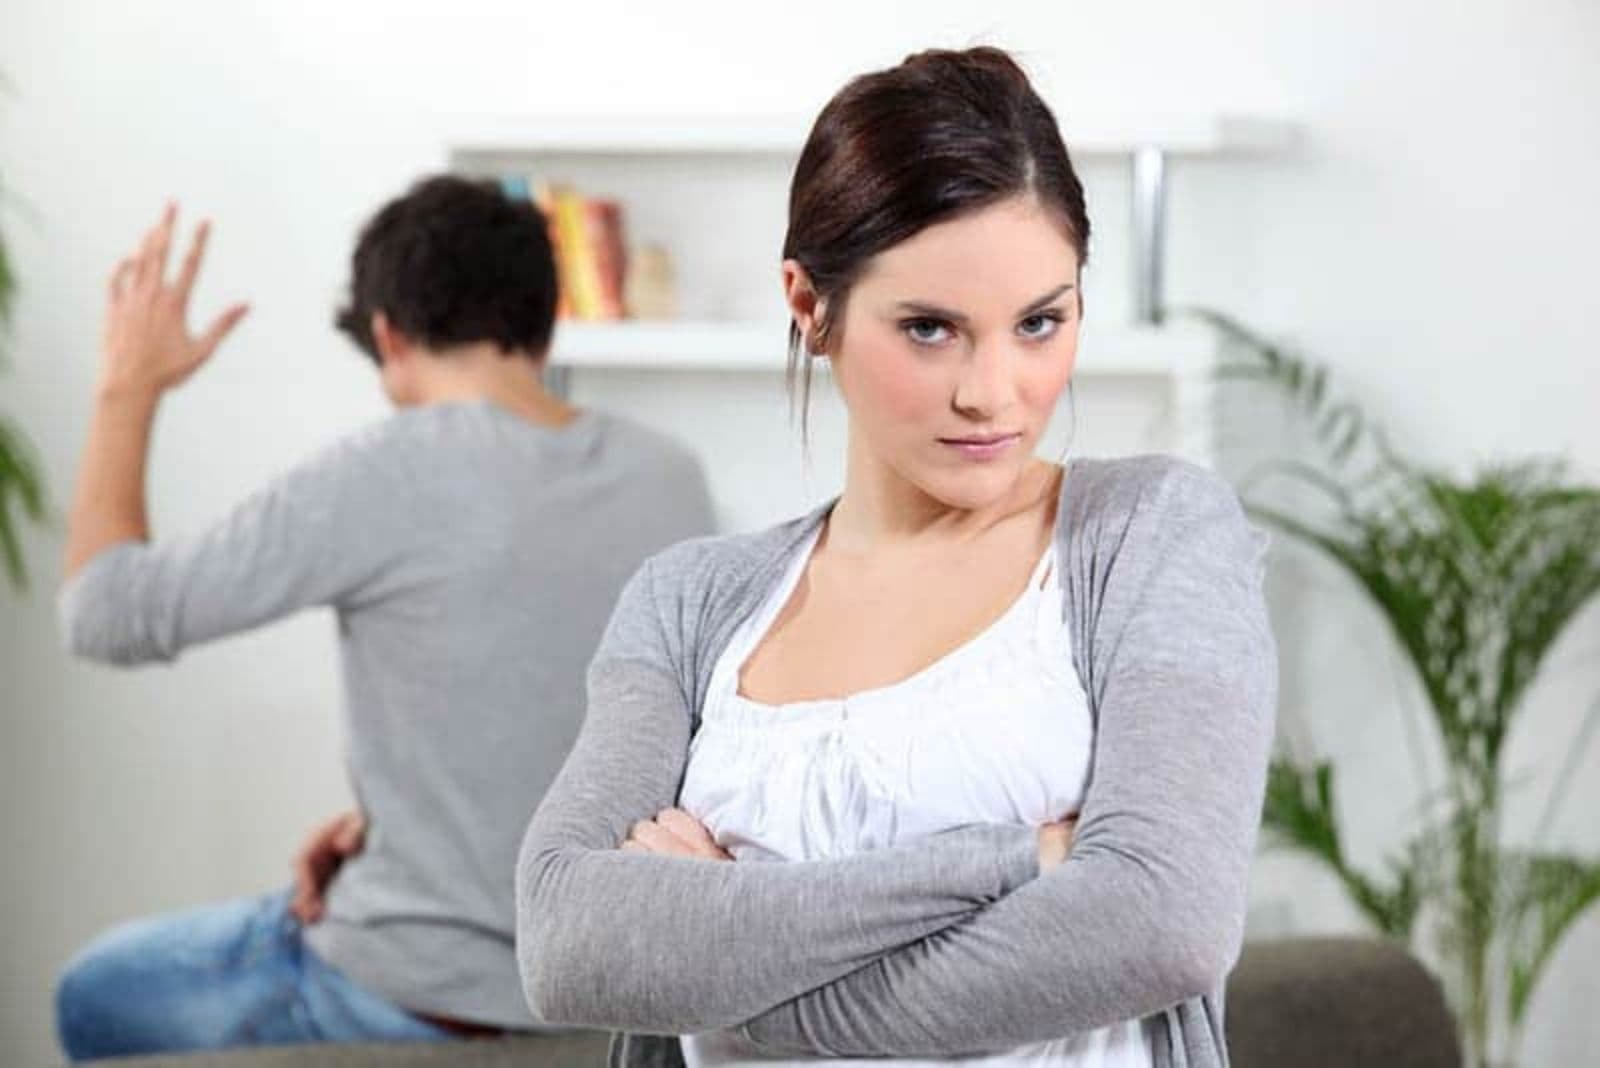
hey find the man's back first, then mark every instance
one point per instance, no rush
(472, 558)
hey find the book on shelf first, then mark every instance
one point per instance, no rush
(588, 240)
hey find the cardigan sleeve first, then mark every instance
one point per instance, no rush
(669, 945)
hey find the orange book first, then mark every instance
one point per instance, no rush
(603, 228)
(544, 199)
(578, 254)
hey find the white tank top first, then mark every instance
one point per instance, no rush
(996, 731)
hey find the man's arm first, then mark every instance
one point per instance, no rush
(147, 349)
(337, 528)
(108, 505)
(331, 528)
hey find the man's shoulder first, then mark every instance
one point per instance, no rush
(393, 433)
(645, 447)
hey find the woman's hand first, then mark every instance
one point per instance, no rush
(1055, 842)
(147, 344)
(674, 833)
(320, 859)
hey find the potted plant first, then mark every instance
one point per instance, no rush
(21, 485)
(1477, 578)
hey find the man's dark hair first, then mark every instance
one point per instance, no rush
(454, 261)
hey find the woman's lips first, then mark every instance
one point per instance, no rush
(982, 446)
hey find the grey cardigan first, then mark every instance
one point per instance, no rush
(955, 944)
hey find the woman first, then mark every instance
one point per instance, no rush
(907, 695)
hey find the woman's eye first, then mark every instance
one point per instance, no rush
(1039, 327)
(925, 331)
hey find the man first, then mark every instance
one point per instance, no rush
(470, 545)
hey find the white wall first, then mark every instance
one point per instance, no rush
(1433, 241)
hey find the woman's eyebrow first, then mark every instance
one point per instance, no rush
(933, 311)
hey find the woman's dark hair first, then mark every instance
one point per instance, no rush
(896, 151)
(451, 262)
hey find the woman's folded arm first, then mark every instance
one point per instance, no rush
(630, 941)
(1148, 910)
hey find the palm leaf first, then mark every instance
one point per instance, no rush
(8, 285)
(1394, 565)
(8, 277)
(1477, 581)
(1340, 426)
(21, 495)
(21, 482)
(1299, 814)
(1543, 897)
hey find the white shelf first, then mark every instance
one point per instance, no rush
(1104, 135)
(713, 191)
(512, 135)
(1126, 352)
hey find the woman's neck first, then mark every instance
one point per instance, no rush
(881, 507)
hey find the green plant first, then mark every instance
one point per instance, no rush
(21, 484)
(1476, 578)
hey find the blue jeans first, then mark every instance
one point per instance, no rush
(234, 974)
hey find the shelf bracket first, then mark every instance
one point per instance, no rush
(557, 380)
(1149, 232)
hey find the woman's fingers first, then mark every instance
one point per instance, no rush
(683, 825)
(674, 833)
(691, 831)
(657, 839)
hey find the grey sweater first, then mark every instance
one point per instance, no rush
(957, 944)
(471, 559)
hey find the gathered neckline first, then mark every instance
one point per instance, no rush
(779, 597)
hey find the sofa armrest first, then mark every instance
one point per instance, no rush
(1334, 1002)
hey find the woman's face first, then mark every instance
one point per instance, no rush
(954, 347)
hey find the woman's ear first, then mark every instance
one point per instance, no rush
(805, 308)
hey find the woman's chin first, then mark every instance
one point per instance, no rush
(975, 487)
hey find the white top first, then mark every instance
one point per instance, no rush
(996, 731)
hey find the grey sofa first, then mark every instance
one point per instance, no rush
(1295, 1003)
